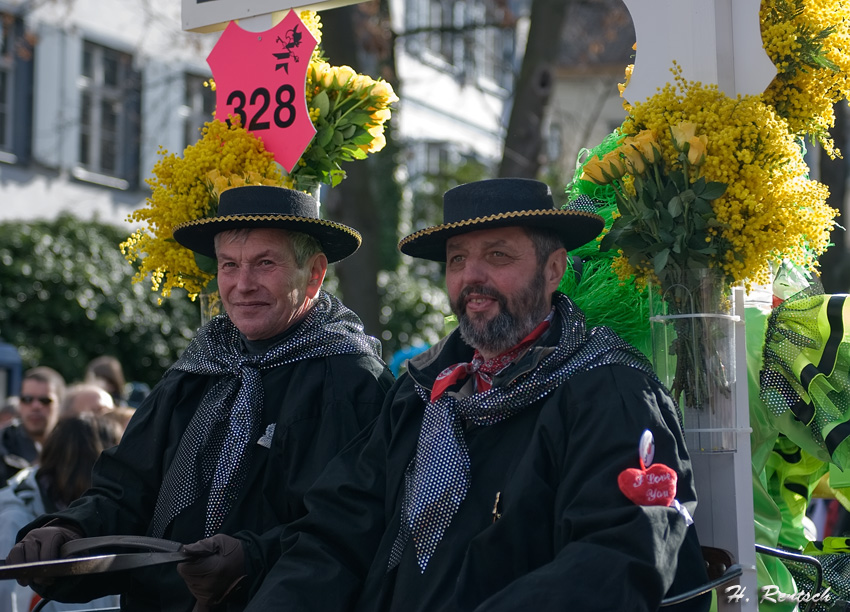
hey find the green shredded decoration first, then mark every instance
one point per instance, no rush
(601, 295)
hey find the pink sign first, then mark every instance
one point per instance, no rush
(260, 76)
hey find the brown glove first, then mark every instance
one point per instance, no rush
(41, 544)
(217, 570)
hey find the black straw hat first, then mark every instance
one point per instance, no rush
(256, 206)
(501, 202)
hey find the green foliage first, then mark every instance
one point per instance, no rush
(66, 297)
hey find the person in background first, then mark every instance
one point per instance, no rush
(107, 372)
(42, 390)
(502, 473)
(137, 393)
(220, 453)
(86, 397)
(9, 410)
(121, 415)
(64, 474)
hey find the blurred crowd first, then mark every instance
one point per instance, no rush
(51, 434)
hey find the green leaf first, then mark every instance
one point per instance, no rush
(206, 264)
(362, 139)
(338, 138)
(608, 242)
(324, 136)
(695, 260)
(674, 207)
(666, 236)
(632, 242)
(713, 190)
(322, 102)
(655, 247)
(336, 177)
(359, 154)
(688, 196)
(678, 244)
(703, 207)
(359, 117)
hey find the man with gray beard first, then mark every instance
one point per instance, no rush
(497, 476)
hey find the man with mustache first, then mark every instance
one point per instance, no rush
(491, 478)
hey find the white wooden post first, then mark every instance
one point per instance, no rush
(713, 41)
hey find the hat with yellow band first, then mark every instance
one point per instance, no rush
(501, 202)
(264, 206)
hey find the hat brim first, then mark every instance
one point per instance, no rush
(574, 228)
(338, 241)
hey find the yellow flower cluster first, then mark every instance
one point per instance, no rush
(770, 209)
(313, 23)
(809, 43)
(186, 188)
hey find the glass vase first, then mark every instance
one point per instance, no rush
(210, 303)
(693, 351)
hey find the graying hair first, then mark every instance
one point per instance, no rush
(304, 246)
(545, 242)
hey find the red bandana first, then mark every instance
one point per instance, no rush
(484, 370)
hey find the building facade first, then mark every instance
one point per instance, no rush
(89, 91)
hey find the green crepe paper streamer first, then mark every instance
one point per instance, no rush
(601, 295)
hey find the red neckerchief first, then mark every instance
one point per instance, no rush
(482, 369)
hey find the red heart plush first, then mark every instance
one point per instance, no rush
(652, 486)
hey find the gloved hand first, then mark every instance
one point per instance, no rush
(217, 567)
(42, 544)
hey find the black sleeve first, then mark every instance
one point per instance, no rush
(351, 392)
(326, 555)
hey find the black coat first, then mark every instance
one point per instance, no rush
(566, 537)
(317, 405)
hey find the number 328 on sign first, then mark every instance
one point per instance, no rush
(260, 77)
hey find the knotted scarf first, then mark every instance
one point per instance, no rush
(484, 369)
(215, 451)
(437, 479)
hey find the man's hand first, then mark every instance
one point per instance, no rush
(41, 544)
(217, 570)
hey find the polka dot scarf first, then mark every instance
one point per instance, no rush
(215, 450)
(437, 479)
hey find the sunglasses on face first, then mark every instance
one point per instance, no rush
(29, 399)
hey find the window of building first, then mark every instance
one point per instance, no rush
(15, 90)
(198, 107)
(110, 108)
(472, 38)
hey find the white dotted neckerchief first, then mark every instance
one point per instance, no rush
(215, 450)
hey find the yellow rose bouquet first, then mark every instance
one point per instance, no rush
(349, 111)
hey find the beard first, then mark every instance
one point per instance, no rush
(510, 325)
